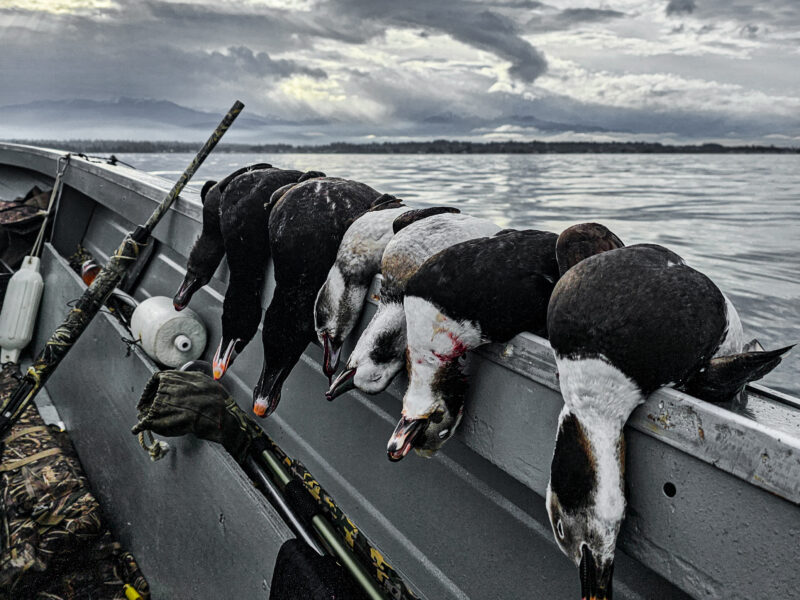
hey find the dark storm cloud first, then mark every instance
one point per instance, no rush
(530, 4)
(470, 23)
(569, 18)
(778, 14)
(122, 62)
(244, 60)
(258, 26)
(475, 24)
(678, 7)
(749, 31)
(588, 15)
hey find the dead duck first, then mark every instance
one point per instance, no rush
(342, 296)
(624, 323)
(244, 220)
(306, 225)
(473, 293)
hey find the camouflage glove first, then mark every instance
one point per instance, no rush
(175, 403)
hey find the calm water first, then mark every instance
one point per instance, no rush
(734, 217)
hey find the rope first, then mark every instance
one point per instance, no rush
(157, 449)
(61, 167)
(119, 255)
(131, 344)
(109, 160)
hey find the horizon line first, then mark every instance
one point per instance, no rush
(436, 146)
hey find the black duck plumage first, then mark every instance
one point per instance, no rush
(244, 222)
(650, 315)
(502, 282)
(306, 226)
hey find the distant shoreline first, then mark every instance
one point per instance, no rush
(432, 147)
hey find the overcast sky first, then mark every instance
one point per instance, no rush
(666, 70)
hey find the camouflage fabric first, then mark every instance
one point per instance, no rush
(15, 213)
(52, 541)
(179, 402)
(19, 224)
(175, 403)
(366, 553)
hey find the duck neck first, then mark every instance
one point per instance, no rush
(602, 398)
(605, 444)
(597, 392)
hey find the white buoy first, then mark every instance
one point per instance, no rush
(169, 337)
(20, 307)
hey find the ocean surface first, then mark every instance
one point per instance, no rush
(734, 217)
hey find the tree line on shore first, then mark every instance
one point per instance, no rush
(419, 147)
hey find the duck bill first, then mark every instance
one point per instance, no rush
(191, 283)
(331, 356)
(343, 383)
(402, 439)
(596, 580)
(224, 357)
(267, 394)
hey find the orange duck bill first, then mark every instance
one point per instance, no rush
(267, 393)
(224, 357)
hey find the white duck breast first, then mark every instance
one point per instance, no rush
(433, 341)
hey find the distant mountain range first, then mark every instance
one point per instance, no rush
(161, 120)
(130, 111)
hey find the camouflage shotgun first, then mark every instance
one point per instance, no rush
(65, 336)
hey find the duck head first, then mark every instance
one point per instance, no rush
(378, 355)
(586, 493)
(207, 251)
(267, 393)
(226, 353)
(193, 281)
(336, 311)
(241, 314)
(586, 511)
(432, 410)
(434, 401)
(582, 241)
